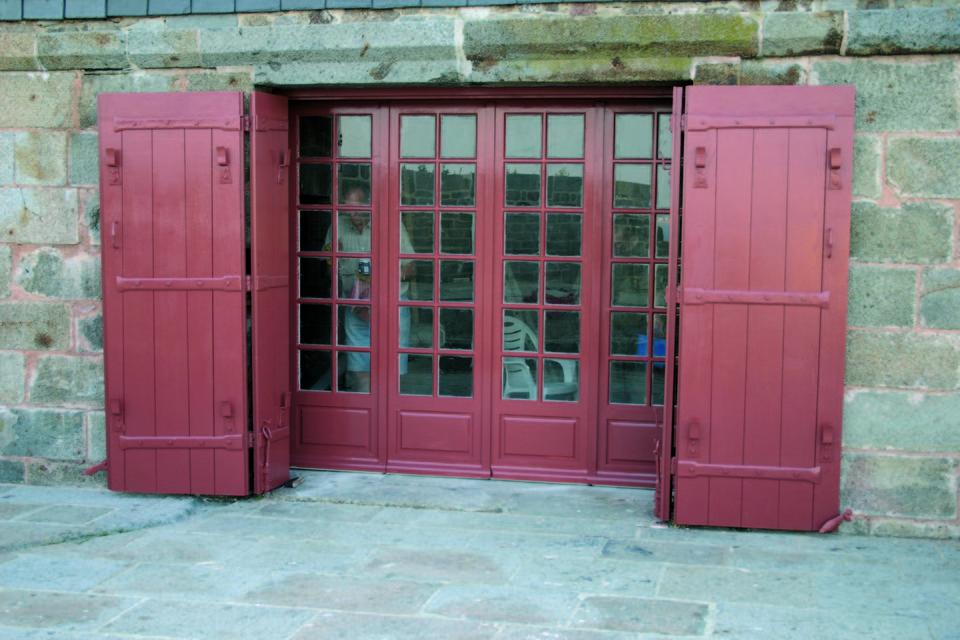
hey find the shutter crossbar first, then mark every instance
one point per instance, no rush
(234, 442)
(702, 122)
(227, 123)
(693, 295)
(689, 469)
(224, 283)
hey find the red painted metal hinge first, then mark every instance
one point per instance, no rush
(116, 410)
(689, 469)
(113, 166)
(97, 468)
(246, 123)
(227, 123)
(234, 442)
(693, 295)
(225, 283)
(702, 122)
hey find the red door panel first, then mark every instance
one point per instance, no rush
(763, 305)
(173, 266)
(270, 255)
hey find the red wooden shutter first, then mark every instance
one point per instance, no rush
(172, 182)
(763, 305)
(270, 298)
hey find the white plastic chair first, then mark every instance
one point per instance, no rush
(519, 381)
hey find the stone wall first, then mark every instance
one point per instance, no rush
(902, 421)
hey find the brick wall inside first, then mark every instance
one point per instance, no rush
(902, 417)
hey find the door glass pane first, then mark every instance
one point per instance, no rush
(315, 136)
(562, 284)
(315, 278)
(458, 184)
(353, 236)
(417, 184)
(521, 234)
(628, 334)
(456, 232)
(316, 324)
(354, 331)
(665, 137)
(418, 379)
(418, 136)
(520, 378)
(419, 279)
(564, 232)
(628, 382)
(564, 185)
(561, 332)
(659, 335)
(314, 227)
(416, 327)
(663, 236)
(419, 230)
(631, 186)
(355, 137)
(521, 282)
(631, 236)
(316, 370)
(663, 187)
(660, 285)
(520, 330)
(565, 136)
(353, 183)
(561, 380)
(458, 136)
(657, 383)
(316, 184)
(456, 280)
(522, 185)
(524, 137)
(633, 135)
(456, 376)
(456, 328)
(630, 285)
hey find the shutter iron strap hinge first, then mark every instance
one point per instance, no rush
(234, 442)
(224, 283)
(694, 295)
(689, 469)
(702, 122)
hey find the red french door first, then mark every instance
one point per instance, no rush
(516, 279)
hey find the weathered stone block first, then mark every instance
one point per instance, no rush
(924, 167)
(881, 296)
(940, 298)
(83, 50)
(6, 157)
(41, 158)
(37, 100)
(39, 216)
(897, 96)
(67, 381)
(164, 49)
(45, 272)
(916, 233)
(62, 474)
(93, 85)
(393, 42)
(791, 34)
(625, 70)
(679, 36)
(886, 528)
(12, 471)
(13, 374)
(90, 330)
(17, 51)
(771, 72)
(722, 73)
(891, 420)
(35, 326)
(96, 436)
(904, 31)
(208, 21)
(905, 360)
(6, 270)
(90, 218)
(46, 433)
(212, 81)
(84, 158)
(899, 485)
(867, 178)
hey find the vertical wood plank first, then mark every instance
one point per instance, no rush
(768, 232)
(170, 319)
(804, 255)
(138, 309)
(199, 240)
(732, 260)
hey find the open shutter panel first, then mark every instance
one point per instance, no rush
(763, 305)
(172, 219)
(269, 244)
